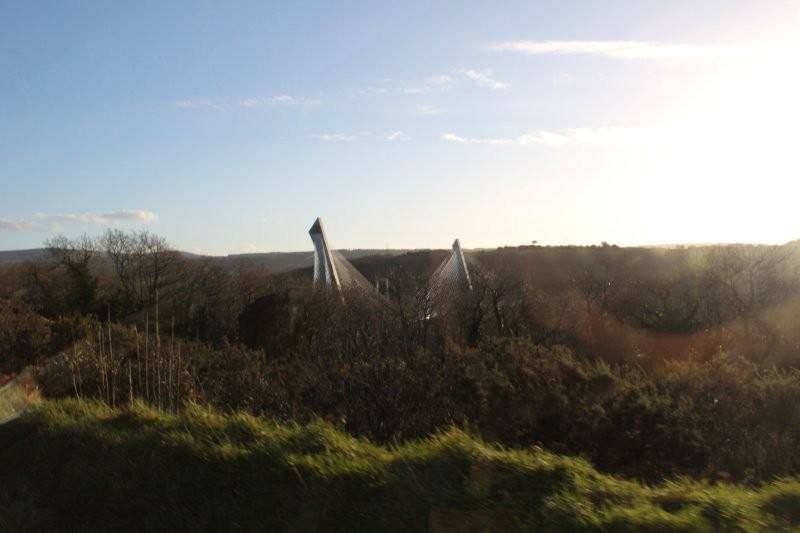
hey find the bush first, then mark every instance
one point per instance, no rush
(24, 336)
(722, 418)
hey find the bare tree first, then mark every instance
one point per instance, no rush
(76, 255)
(749, 280)
(157, 265)
(120, 249)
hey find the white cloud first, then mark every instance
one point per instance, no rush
(624, 49)
(277, 100)
(569, 137)
(42, 222)
(415, 90)
(338, 137)
(368, 91)
(550, 138)
(248, 103)
(283, 99)
(280, 99)
(438, 82)
(190, 103)
(435, 83)
(396, 135)
(483, 78)
(452, 137)
(382, 87)
(441, 79)
(251, 102)
(428, 110)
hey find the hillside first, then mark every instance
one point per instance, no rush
(200, 471)
(271, 261)
(14, 257)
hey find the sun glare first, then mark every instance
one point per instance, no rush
(729, 153)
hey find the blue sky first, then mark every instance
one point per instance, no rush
(229, 126)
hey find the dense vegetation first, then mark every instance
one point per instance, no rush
(199, 471)
(649, 363)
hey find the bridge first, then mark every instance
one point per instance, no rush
(333, 271)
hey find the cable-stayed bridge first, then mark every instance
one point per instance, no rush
(333, 272)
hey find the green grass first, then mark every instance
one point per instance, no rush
(81, 466)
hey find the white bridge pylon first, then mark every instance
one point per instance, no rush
(324, 270)
(331, 269)
(451, 277)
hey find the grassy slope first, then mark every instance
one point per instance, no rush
(72, 465)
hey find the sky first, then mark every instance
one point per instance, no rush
(228, 127)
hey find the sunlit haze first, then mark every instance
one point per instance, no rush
(229, 128)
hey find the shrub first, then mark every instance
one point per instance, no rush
(24, 336)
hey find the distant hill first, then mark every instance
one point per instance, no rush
(13, 257)
(273, 261)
